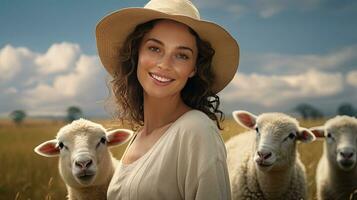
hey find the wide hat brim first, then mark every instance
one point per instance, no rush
(113, 29)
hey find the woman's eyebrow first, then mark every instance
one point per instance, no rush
(155, 40)
(161, 43)
(185, 48)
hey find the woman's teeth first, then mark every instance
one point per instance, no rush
(160, 78)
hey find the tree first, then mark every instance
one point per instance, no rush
(18, 116)
(74, 113)
(346, 109)
(308, 111)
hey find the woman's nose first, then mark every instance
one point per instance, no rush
(165, 62)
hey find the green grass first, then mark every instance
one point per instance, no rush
(28, 176)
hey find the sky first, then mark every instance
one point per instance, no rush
(292, 52)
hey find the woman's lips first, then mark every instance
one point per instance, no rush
(160, 78)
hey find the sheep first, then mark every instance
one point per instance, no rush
(264, 164)
(85, 163)
(336, 173)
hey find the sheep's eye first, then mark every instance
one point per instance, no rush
(329, 135)
(103, 140)
(60, 145)
(257, 132)
(291, 136)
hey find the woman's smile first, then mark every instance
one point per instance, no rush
(160, 78)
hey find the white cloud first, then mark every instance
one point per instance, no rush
(351, 78)
(281, 81)
(85, 76)
(12, 61)
(274, 62)
(78, 80)
(274, 90)
(58, 58)
(292, 78)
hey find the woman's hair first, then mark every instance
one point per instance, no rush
(128, 93)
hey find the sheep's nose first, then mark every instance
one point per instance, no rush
(346, 154)
(83, 164)
(264, 154)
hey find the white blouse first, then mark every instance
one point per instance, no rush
(187, 162)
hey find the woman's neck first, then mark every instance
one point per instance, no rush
(160, 112)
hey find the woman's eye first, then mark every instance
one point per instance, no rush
(182, 56)
(154, 49)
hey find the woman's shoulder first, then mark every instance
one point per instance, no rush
(195, 119)
(196, 125)
(195, 130)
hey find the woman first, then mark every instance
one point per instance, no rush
(167, 67)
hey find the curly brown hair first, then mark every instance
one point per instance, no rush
(128, 93)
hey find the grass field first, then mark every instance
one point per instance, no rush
(28, 176)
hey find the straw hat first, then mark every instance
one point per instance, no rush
(113, 29)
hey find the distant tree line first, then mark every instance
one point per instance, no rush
(73, 113)
(308, 111)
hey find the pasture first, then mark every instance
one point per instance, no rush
(28, 176)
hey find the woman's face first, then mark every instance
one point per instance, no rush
(167, 58)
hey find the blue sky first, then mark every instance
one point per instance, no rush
(292, 51)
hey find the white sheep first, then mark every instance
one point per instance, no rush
(336, 173)
(264, 163)
(85, 163)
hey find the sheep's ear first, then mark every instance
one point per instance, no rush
(118, 136)
(245, 118)
(305, 135)
(48, 149)
(318, 131)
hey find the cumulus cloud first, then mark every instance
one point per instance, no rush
(74, 85)
(37, 84)
(271, 90)
(278, 82)
(12, 61)
(58, 58)
(283, 63)
(291, 79)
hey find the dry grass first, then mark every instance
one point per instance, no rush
(26, 175)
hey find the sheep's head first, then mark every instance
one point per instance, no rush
(340, 134)
(83, 153)
(276, 136)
